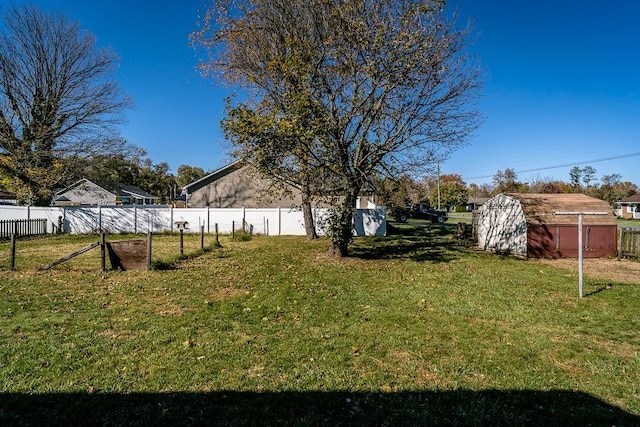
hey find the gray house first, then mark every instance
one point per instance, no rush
(235, 186)
(88, 193)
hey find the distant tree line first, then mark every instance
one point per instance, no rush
(131, 169)
(452, 191)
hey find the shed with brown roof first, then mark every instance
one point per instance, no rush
(538, 226)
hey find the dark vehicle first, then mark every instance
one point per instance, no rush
(422, 211)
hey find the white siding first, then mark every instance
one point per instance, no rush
(502, 226)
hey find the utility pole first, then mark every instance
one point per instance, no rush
(438, 185)
(580, 249)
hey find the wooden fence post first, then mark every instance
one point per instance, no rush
(217, 238)
(202, 237)
(13, 251)
(233, 230)
(149, 250)
(103, 263)
(181, 241)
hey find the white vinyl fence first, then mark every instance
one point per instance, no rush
(142, 219)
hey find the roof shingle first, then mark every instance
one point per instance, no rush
(541, 209)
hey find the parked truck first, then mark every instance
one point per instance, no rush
(420, 211)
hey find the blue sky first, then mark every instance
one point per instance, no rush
(562, 84)
(562, 87)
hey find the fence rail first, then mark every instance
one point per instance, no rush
(22, 227)
(629, 242)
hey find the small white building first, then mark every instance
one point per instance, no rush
(529, 225)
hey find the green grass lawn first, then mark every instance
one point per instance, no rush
(628, 222)
(413, 328)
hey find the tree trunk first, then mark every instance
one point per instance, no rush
(338, 249)
(307, 212)
(342, 225)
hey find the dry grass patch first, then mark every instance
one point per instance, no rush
(226, 293)
(613, 269)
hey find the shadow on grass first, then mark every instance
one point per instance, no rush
(462, 407)
(420, 242)
(172, 264)
(603, 286)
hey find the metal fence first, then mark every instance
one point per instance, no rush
(22, 227)
(628, 242)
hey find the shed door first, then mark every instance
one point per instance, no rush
(598, 241)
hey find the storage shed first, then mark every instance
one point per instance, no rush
(530, 225)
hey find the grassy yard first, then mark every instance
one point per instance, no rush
(628, 222)
(413, 328)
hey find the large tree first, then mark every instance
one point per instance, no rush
(401, 192)
(588, 175)
(575, 176)
(106, 168)
(344, 90)
(58, 99)
(507, 182)
(187, 174)
(452, 191)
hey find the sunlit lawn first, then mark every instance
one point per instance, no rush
(412, 328)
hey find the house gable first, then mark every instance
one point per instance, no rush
(84, 192)
(88, 193)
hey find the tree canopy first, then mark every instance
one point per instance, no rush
(58, 100)
(187, 174)
(342, 91)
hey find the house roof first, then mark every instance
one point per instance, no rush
(125, 189)
(477, 200)
(117, 189)
(74, 185)
(213, 176)
(542, 209)
(237, 165)
(631, 199)
(7, 195)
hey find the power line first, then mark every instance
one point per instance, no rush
(604, 159)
